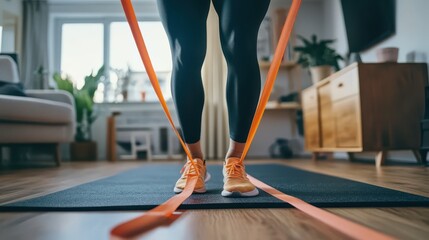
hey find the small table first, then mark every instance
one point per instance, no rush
(156, 124)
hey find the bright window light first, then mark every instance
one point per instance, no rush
(123, 50)
(124, 55)
(81, 50)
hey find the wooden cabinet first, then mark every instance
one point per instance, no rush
(327, 117)
(366, 107)
(312, 133)
(311, 113)
(347, 122)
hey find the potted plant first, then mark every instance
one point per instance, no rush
(123, 83)
(318, 56)
(83, 148)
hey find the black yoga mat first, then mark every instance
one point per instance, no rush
(150, 185)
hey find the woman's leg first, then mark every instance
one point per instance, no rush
(185, 24)
(239, 25)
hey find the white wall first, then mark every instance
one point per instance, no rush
(412, 34)
(333, 25)
(412, 29)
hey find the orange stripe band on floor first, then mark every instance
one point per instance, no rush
(162, 214)
(347, 227)
(157, 216)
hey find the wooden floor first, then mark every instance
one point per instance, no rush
(403, 223)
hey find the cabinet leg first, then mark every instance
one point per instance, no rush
(57, 156)
(314, 156)
(380, 158)
(351, 156)
(420, 156)
(329, 155)
(424, 154)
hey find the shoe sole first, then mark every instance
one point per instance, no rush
(199, 190)
(252, 193)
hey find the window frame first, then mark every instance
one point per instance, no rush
(105, 21)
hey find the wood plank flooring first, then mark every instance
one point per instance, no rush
(403, 223)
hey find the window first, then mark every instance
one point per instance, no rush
(86, 44)
(124, 56)
(123, 50)
(81, 50)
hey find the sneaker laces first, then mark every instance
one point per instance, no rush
(235, 169)
(190, 168)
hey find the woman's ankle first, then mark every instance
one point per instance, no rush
(195, 150)
(235, 149)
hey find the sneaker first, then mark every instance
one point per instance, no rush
(236, 183)
(200, 187)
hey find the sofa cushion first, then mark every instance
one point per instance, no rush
(33, 110)
(13, 89)
(36, 133)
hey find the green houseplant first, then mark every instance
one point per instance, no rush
(83, 148)
(318, 56)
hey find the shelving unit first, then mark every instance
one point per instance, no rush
(281, 118)
(267, 64)
(288, 67)
(273, 105)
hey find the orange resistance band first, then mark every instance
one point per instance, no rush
(141, 46)
(340, 224)
(272, 73)
(164, 212)
(161, 214)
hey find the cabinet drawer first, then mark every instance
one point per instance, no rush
(327, 126)
(325, 94)
(345, 85)
(311, 129)
(309, 98)
(348, 122)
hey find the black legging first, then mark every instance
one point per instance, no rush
(185, 24)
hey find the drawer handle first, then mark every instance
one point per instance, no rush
(340, 85)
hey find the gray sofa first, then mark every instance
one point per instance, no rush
(43, 117)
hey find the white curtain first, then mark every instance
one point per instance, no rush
(215, 133)
(35, 42)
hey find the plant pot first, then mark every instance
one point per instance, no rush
(387, 54)
(81, 151)
(320, 72)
